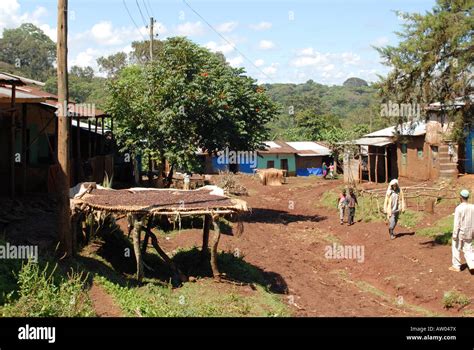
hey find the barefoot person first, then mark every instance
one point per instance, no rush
(393, 205)
(462, 233)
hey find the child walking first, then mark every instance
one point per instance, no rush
(342, 206)
(351, 203)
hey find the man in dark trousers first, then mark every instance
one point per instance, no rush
(351, 204)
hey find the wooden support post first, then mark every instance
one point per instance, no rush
(386, 165)
(137, 228)
(89, 139)
(377, 166)
(64, 222)
(24, 146)
(215, 242)
(12, 144)
(95, 136)
(205, 237)
(154, 241)
(78, 151)
(370, 165)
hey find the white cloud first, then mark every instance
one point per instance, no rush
(380, 41)
(271, 69)
(266, 44)
(224, 47)
(350, 58)
(11, 15)
(227, 27)
(259, 62)
(236, 61)
(86, 58)
(261, 26)
(190, 29)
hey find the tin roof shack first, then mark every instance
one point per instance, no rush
(310, 156)
(33, 139)
(392, 152)
(277, 155)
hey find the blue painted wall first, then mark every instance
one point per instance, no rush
(469, 146)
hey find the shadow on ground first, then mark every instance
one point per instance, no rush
(271, 216)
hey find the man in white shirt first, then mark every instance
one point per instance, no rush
(462, 233)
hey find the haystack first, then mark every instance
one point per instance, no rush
(271, 177)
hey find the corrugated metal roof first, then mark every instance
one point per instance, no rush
(309, 148)
(11, 79)
(6, 95)
(415, 128)
(374, 141)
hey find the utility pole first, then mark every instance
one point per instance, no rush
(64, 222)
(151, 38)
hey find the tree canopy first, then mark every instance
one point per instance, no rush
(188, 99)
(29, 50)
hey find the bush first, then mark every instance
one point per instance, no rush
(454, 298)
(45, 292)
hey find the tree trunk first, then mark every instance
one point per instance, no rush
(215, 242)
(205, 237)
(137, 228)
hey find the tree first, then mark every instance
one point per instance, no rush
(185, 100)
(112, 64)
(433, 62)
(140, 53)
(29, 50)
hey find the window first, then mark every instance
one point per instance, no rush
(270, 164)
(419, 152)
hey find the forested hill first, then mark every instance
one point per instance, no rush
(308, 109)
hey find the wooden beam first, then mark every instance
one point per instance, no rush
(95, 136)
(78, 151)
(137, 228)
(89, 139)
(370, 167)
(24, 134)
(64, 222)
(215, 242)
(205, 236)
(12, 143)
(377, 167)
(386, 165)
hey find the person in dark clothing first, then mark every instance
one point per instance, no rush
(351, 204)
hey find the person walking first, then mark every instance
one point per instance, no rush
(351, 204)
(331, 171)
(462, 233)
(342, 206)
(394, 204)
(325, 170)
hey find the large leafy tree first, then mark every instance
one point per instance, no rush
(112, 64)
(187, 98)
(434, 59)
(29, 50)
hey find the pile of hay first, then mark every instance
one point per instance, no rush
(271, 177)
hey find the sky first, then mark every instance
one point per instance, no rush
(276, 41)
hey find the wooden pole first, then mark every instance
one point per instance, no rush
(215, 243)
(137, 228)
(89, 139)
(151, 38)
(370, 164)
(12, 143)
(64, 222)
(377, 166)
(95, 136)
(205, 237)
(78, 151)
(386, 165)
(24, 146)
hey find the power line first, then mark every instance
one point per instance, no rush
(227, 41)
(130, 15)
(151, 8)
(146, 9)
(141, 14)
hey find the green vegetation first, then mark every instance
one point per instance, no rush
(46, 292)
(453, 298)
(200, 299)
(441, 230)
(411, 218)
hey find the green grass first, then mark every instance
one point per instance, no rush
(441, 230)
(453, 298)
(44, 291)
(201, 299)
(411, 218)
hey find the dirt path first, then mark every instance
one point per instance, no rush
(287, 235)
(104, 304)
